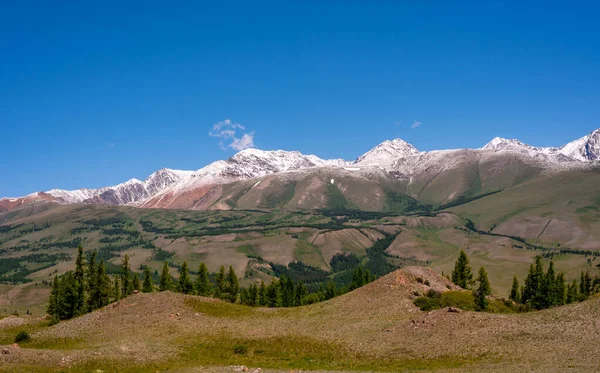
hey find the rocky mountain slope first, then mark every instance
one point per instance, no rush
(393, 170)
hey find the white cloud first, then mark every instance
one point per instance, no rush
(226, 131)
(415, 124)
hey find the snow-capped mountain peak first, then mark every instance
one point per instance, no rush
(584, 149)
(387, 152)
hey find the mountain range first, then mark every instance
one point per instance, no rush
(391, 176)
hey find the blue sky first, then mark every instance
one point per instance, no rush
(94, 94)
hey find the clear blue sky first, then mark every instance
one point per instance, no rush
(95, 94)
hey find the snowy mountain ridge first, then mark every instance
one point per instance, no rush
(395, 156)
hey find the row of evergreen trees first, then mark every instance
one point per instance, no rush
(549, 289)
(541, 289)
(89, 287)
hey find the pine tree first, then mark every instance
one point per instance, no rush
(148, 286)
(136, 282)
(301, 293)
(70, 297)
(533, 285)
(560, 289)
(273, 294)
(166, 282)
(515, 294)
(253, 296)
(232, 286)
(203, 285)
(220, 288)
(103, 287)
(79, 283)
(185, 285)
(263, 295)
(357, 278)
(92, 277)
(462, 274)
(482, 291)
(54, 301)
(572, 293)
(548, 288)
(117, 288)
(126, 284)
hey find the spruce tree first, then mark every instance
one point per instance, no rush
(185, 285)
(232, 286)
(572, 293)
(117, 289)
(203, 285)
(515, 294)
(483, 290)
(166, 282)
(560, 289)
(92, 277)
(301, 293)
(462, 274)
(548, 288)
(263, 295)
(103, 287)
(533, 285)
(148, 286)
(220, 288)
(136, 282)
(358, 278)
(253, 297)
(126, 284)
(79, 283)
(54, 301)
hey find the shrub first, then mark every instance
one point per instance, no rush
(240, 349)
(433, 294)
(23, 336)
(420, 280)
(427, 283)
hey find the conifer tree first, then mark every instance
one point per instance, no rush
(203, 285)
(253, 297)
(185, 285)
(166, 282)
(126, 284)
(515, 294)
(533, 285)
(92, 278)
(273, 294)
(560, 289)
(358, 278)
(462, 274)
(136, 282)
(572, 293)
(483, 290)
(103, 287)
(70, 298)
(548, 291)
(79, 283)
(117, 288)
(263, 295)
(301, 292)
(232, 286)
(148, 286)
(220, 288)
(54, 301)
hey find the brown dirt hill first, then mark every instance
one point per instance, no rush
(374, 328)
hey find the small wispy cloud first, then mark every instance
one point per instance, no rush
(227, 132)
(398, 123)
(416, 124)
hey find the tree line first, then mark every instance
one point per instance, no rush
(89, 287)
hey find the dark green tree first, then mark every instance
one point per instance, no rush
(560, 289)
(54, 300)
(221, 286)
(482, 291)
(126, 283)
(330, 290)
(358, 278)
(533, 285)
(92, 281)
(462, 274)
(232, 286)
(185, 285)
(79, 283)
(263, 296)
(102, 294)
(203, 285)
(166, 281)
(300, 293)
(117, 288)
(572, 293)
(515, 294)
(148, 286)
(136, 282)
